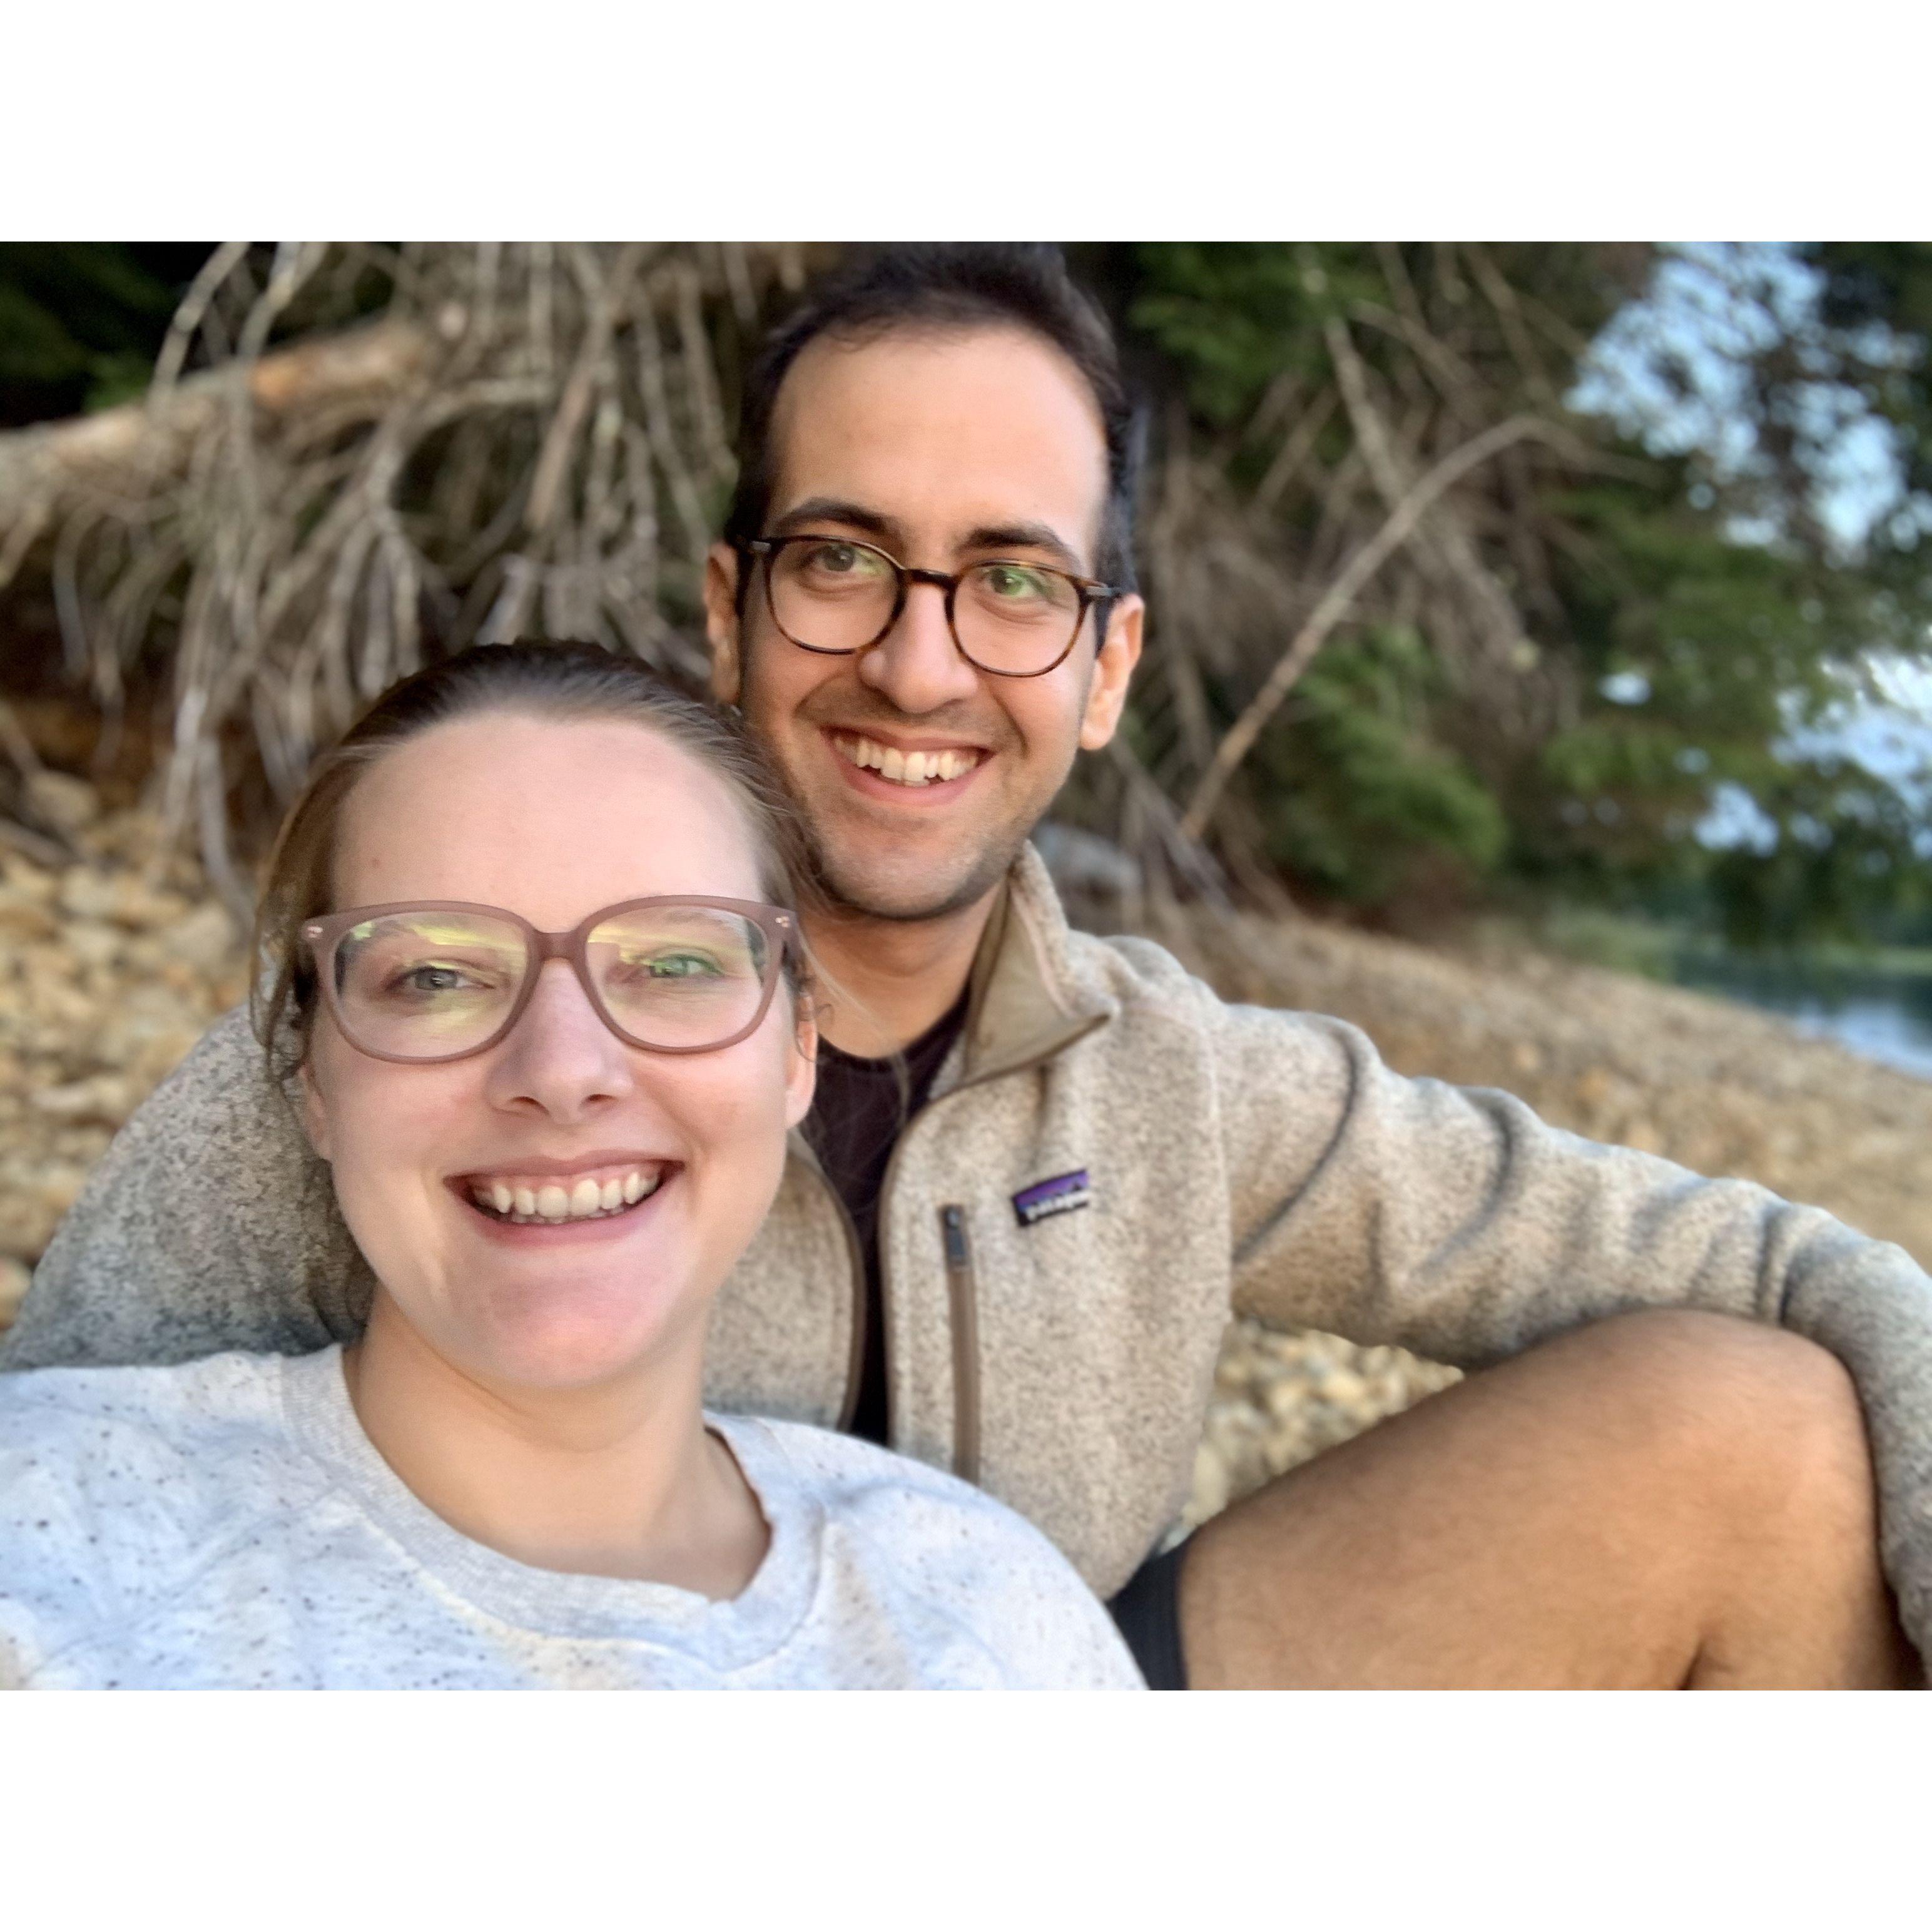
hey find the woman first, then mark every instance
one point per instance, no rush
(536, 965)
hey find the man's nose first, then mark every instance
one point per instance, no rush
(916, 667)
(560, 1055)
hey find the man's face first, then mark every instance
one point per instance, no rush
(943, 449)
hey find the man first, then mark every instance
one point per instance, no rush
(924, 607)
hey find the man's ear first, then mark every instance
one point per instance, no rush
(1113, 665)
(721, 621)
(802, 1078)
(314, 1114)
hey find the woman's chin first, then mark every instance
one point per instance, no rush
(563, 1340)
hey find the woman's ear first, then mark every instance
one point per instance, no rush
(314, 1113)
(801, 1076)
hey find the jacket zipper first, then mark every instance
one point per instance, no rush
(963, 1302)
(966, 1392)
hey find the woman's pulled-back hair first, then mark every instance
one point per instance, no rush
(567, 682)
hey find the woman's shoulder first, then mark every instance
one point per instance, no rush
(113, 1453)
(42, 1407)
(843, 1472)
(115, 1482)
(968, 1557)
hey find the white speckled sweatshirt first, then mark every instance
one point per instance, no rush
(227, 1525)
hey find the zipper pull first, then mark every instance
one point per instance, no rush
(952, 1224)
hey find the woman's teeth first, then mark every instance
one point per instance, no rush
(589, 1199)
(911, 768)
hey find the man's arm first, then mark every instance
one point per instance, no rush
(210, 1225)
(1452, 1221)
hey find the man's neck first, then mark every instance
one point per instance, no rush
(892, 979)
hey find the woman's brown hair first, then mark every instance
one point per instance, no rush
(568, 682)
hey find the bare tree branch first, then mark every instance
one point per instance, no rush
(1334, 606)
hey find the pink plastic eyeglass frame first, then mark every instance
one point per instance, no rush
(323, 935)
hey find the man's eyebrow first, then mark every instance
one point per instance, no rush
(838, 510)
(890, 531)
(1026, 536)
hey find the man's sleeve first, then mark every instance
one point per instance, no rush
(210, 1225)
(1453, 1222)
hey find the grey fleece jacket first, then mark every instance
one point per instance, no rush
(1111, 1159)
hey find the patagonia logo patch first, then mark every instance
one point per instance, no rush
(1060, 1195)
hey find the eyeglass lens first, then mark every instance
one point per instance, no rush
(1008, 616)
(427, 985)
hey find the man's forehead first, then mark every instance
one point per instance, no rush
(946, 432)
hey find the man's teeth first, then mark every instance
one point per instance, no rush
(912, 768)
(584, 1200)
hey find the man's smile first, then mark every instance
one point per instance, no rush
(896, 768)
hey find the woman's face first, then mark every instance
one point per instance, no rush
(552, 821)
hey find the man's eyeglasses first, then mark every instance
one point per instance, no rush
(838, 596)
(440, 979)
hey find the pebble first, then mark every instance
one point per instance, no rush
(111, 968)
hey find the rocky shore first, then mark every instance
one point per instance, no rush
(114, 957)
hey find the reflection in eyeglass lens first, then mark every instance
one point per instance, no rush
(679, 975)
(427, 982)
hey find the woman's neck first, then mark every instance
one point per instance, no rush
(618, 1480)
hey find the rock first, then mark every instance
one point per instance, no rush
(1344, 1388)
(106, 1096)
(68, 805)
(204, 942)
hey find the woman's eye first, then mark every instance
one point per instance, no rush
(434, 979)
(675, 966)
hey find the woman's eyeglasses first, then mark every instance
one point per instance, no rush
(440, 979)
(837, 596)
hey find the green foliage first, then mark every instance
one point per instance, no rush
(1234, 317)
(81, 323)
(1356, 800)
(1845, 865)
(1680, 657)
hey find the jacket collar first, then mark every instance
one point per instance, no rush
(1024, 1000)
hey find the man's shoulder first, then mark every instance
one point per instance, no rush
(1129, 973)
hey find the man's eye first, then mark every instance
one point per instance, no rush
(839, 560)
(1009, 580)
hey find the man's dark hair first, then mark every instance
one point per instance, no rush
(948, 285)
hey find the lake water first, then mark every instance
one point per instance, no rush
(1885, 1016)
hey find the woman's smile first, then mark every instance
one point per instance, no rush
(601, 1202)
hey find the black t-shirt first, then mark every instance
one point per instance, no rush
(856, 1119)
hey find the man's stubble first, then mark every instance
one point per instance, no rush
(841, 885)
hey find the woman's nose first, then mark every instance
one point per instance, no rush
(916, 666)
(560, 1054)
